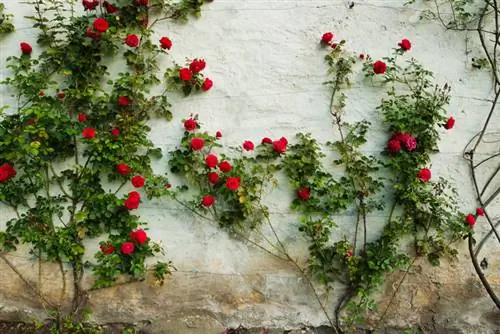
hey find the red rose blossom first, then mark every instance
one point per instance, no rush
(138, 181)
(197, 65)
(248, 145)
(394, 146)
(133, 200)
(88, 133)
(211, 161)
(233, 183)
(127, 248)
(480, 211)
(92, 34)
(26, 48)
(132, 40)
(61, 95)
(424, 174)
(218, 134)
(349, 253)
(185, 74)
(280, 145)
(82, 118)
(207, 84)
(304, 193)
(6, 172)
(379, 67)
(225, 167)
(213, 177)
(449, 123)
(197, 143)
(190, 124)
(142, 2)
(334, 45)
(165, 43)
(266, 140)
(123, 169)
(109, 7)
(115, 132)
(410, 143)
(124, 101)
(327, 37)
(139, 236)
(100, 25)
(405, 44)
(208, 201)
(470, 219)
(361, 56)
(107, 249)
(90, 4)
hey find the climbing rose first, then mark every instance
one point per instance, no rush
(405, 44)
(449, 123)
(61, 95)
(115, 132)
(109, 7)
(393, 146)
(327, 37)
(107, 249)
(280, 145)
(197, 143)
(197, 65)
(139, 236)
(133, 200)
(138, 181)
(100, 24)
(82, 118)
(213, 177)
(248, 145)
(6, 172)
(211, 161)
(218, 134)
(480, 211)
(90, 4)
(225, 167)
(127, 248)
(26, 48)
(123, 169)
(410, 143)
(303, 193)
(208, 201)
(379, 67)
(470, 219)
(190, 124)
(424, 174)
(124, 101)
(132, 40)
(207, 84)
(185, 74)
(233, 183)
(361, 56)
(266, 140)
(165, 43)
(88, 133)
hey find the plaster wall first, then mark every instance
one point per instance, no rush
(268, 70)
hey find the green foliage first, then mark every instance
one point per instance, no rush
(72, 126)
(6, 25)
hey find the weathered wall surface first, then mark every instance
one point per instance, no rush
(268, 71)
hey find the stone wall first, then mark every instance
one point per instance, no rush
(268, 70)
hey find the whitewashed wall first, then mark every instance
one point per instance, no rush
(268, 68)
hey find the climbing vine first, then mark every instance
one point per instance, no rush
(6, 25)
(75, 144)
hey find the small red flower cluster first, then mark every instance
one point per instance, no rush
(470, 219)
(7, 172)
(279, 146)
(192, 75)
(399, 140)
(133, 200)
(138, 237)
(303, 193)
(138, 181)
